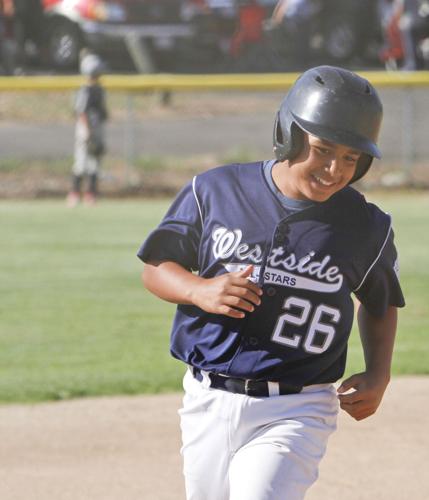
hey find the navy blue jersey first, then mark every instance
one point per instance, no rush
(91, 99)
(308, 264)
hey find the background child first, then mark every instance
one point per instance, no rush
(91, 113)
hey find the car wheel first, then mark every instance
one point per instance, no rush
(258, 58)
(65, 43)
(340, 41)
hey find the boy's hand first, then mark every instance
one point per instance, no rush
(366, 397)
(229, 294)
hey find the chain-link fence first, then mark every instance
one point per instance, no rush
(157, 139)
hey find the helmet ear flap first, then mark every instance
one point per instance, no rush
(279, 141)
(287, 143)
(296, 141)
(362, 167)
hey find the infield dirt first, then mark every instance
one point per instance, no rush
(127, 448)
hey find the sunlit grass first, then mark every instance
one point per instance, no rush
(76, 321)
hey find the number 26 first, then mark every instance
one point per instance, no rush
(304, 308)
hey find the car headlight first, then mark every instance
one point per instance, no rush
(98, 10)
(114, 12)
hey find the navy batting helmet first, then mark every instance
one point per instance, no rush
(90, 64)
(334, 104)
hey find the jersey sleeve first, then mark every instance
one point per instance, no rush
(103, 106)
(380, 287)
(177, 238)
(82, 100)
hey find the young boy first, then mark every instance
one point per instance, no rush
(91, 113)
(262, 259)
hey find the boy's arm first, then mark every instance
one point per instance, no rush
(377, 337)
(228, 294)
(83, 118)
(279, 12)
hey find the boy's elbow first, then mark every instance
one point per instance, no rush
(149, 276)
(146, 276)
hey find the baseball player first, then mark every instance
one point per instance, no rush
(91, 112)
(262, 260)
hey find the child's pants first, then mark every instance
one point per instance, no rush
(237, 447)
(84, 163)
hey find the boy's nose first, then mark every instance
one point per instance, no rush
(333, 166)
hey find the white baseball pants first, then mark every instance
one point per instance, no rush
(237, 447)
(84, 163)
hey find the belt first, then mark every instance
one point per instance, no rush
(254, 388)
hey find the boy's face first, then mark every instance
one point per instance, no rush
(321, 169)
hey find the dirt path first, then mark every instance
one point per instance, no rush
(128, 448)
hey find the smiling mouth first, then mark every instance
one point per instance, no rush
(322, 182)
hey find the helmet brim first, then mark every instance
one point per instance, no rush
(336, 136)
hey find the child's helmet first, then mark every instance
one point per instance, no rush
(334, 104)
(90, 64)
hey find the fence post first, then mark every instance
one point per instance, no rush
(129, 138)
(408, 147)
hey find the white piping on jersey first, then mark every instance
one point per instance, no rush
(196, 198)
(376, 259)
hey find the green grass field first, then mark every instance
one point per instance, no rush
(75, 320)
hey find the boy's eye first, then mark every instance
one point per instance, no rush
(351, 159)
(323, 151)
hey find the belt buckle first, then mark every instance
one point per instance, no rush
(246, 386)
(251, 388)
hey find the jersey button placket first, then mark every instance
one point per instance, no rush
(252, 341)
(280, 236)
(281, 232)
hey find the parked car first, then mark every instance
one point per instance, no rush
(143, 31)
(196, 35)
(339, 32)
